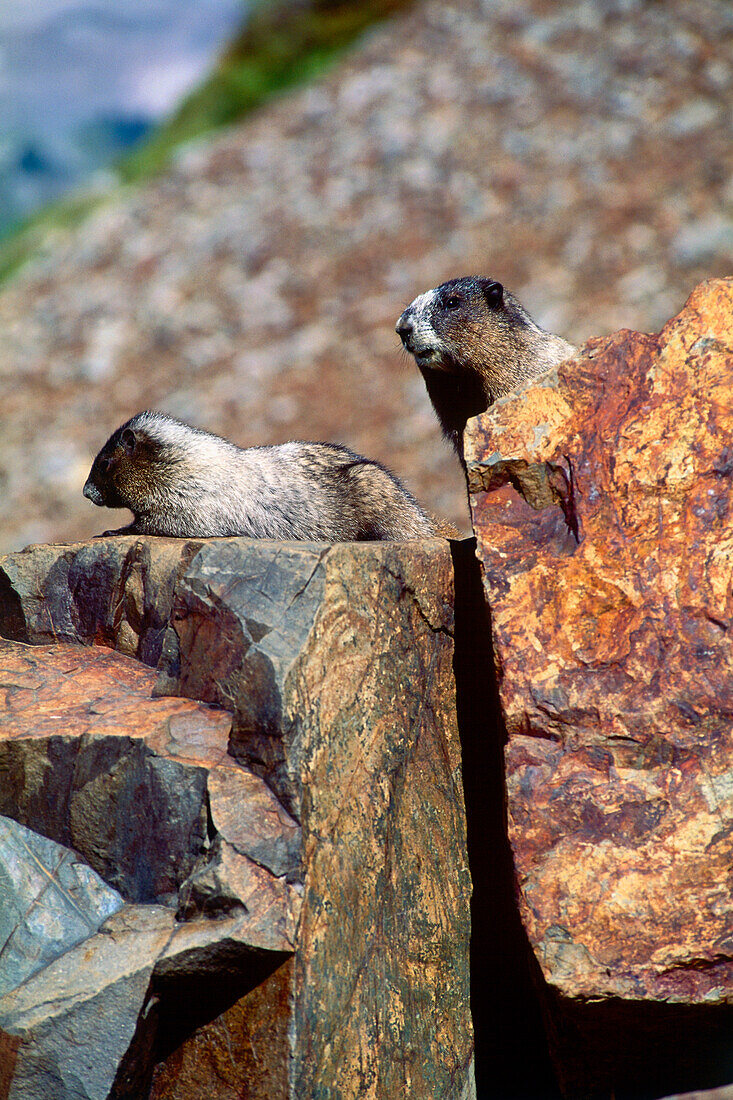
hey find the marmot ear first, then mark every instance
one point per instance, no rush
(493, 293)
(128, 439)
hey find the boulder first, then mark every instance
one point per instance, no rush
(89, 757)
(337, 664)
(309, 787)
(65, 1031)
(90, 760)
(603, 507)
(92, 1021)
(111, 592)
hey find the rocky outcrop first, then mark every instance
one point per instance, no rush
(110, 592)
(236, 766)
(603, 506)
(287, 845)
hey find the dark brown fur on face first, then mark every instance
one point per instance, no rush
(183, 482)
(473, 342)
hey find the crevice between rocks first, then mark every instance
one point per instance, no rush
(641, 1050)
(512, 1058)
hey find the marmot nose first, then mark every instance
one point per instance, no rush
(403, 328)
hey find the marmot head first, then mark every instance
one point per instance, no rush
(471, 323)
(132, 464)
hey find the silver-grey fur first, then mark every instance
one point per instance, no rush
(473, 342)
(184, 482)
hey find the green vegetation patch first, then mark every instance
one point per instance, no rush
(285, 43)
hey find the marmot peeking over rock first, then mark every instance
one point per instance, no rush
(188, 483)
(473, 342)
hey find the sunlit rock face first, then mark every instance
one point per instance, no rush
(602, 502)
(276, 810)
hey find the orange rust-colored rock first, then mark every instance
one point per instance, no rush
(89, 759)
(602, 500)
(224, 1059)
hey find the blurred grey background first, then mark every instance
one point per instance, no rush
(81, 81)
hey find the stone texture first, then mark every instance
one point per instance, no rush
(90, 760)
(223, 1060)
(64, 1032)
(335, 828)
(51, 900)
(601, 498)
(337, 664)
(246, 814)
(254, 286)
(115, 592)
(93, 1021)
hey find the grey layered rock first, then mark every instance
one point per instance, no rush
(112, 592)
(51, 900)
(90, 1024)
(64, 1032)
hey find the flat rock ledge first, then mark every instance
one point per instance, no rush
(602, 501)
(233, 830)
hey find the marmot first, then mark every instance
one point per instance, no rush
(188, 483)
(473, 342)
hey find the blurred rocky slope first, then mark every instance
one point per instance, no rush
(580, 154)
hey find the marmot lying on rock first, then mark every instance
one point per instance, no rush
(188, 483)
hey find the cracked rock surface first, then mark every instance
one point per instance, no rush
(612, 608)
(286, 846)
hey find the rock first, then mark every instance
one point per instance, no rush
(64, 1032)
(336, 662)
(335, 828)
(246, 815)
(51, 901)
(115, 592)
(224, 1059)
(602, 503)
(90, 760)
(93, 1022)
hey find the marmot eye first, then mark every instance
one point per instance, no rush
(453, 302)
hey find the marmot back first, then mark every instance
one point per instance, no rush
(473, 341)
(184, 482)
